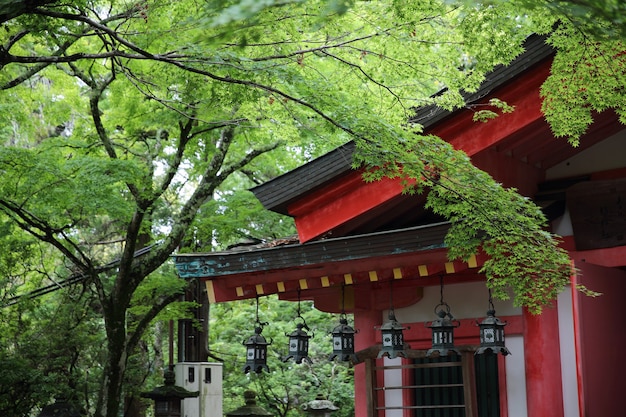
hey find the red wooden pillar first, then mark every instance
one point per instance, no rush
(544, 390)
(365, 322)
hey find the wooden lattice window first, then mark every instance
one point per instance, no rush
(454, 386)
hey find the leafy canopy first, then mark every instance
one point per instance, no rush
(125, 125)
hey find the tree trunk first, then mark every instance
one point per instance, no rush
(111, 390)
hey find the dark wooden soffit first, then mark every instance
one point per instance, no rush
(312, 255)
(278, 193)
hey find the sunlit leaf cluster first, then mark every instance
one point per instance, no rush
(131, 130)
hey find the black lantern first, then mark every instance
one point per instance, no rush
(298, 344)
(443, 329)
(443, 334)
(256, 352)
(393, 338)
(343, 335)
(298, 340)
(256, 348)
(492, 333)
(343, 341)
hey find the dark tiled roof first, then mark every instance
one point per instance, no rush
(278, 193)
(312, 254)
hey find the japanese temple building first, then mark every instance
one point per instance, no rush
(355, 238)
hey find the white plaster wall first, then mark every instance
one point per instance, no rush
(569, 373)
(393, 378)
(467, 300)
(563, 225)
(606, 155)
(516, 377)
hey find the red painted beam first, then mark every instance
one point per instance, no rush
(473, 137)
(340, 202)
(320, 282)
(614, 257)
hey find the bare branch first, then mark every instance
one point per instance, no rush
(135, 336)
(269, 89)
(249, 157)
(47, 233)
(323, 48)
(101, 26)
(365, 74)
(94, 101)
(12, 9)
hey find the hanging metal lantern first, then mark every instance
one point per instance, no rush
(298, 344)
(393, 338)
(443, 334)
(443, 329)
(298, 340)
(256, 352)
(492, 333)
(343, 341)
(256, 347)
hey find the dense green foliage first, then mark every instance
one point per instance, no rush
(130, 129)
(288, 385)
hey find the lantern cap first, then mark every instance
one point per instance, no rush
(250, 408)
(445, 320)
(169, 391)
(343, 327)
(320, 403)
(257, 338)
(299, 331)
(492, 319)
(392, 323)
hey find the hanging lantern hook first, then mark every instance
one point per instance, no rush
(259, 322)
(391, 295)
(343, 301)
(491, 306)
(442, 309)
(299, 315)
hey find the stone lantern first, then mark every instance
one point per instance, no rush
(60, 408)
(251, 409)
(319, 407)
(168, 398)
